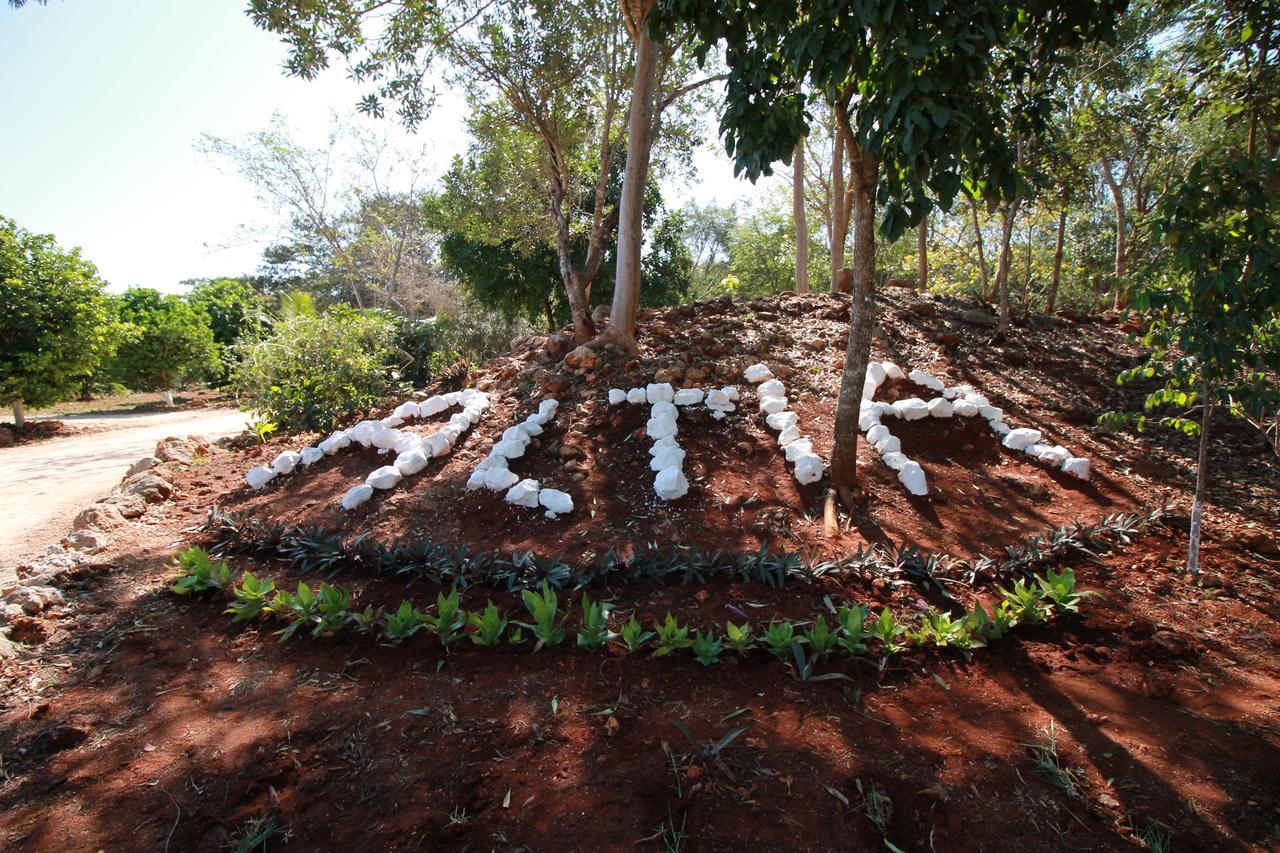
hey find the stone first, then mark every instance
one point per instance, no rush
(34, 599)
(524, 493)
(583, 357)
(130, 506)
(146, 463)
(149, 486)
(386, 477)
(356, 495)
(671, 484)
(600, 316)
(555, 501)
(557, 345)
(259, 477)
(86, 541)
(99, 517)
(7, 650)
(29, 630)
(180, 450)
(1261, 542)
(978, 317)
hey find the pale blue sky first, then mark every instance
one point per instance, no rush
(104, 99)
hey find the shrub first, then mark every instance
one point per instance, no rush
(166, 343)
(432, 345)
(316, 369)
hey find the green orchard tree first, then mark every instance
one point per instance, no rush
(167, 342)
(923, 94)
(57, 324)
(237, 313)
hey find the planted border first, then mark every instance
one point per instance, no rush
(855, 632)
(315, 550)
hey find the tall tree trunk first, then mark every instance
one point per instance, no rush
(549, 315)
(1008, 213)
(922, 250)
(19, 414)
(1052, 302)
(982, 253)
(844, 451)
(1202, 475)
(580, 308)
(839, 224)
(1121, 300)
(799, 219)
(626, 289)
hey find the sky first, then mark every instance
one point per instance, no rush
(104, 101)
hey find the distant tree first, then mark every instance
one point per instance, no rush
(56, 323)
(236, 312)
(167, 342)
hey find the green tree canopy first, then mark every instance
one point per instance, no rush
(56, 325)
(167, 342)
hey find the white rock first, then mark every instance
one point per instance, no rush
(555, 501)
(663, 409)
(911, 409)
(876, 373)
(286, 462)
(964, 408)
(411, 462)
(1077, 466)
(895, 461)
(516, 433)
(259, 477)
(688, 397)
(888, 444)
(868, 418)
(912, 476)
(1000, 427)
(512, 448)
(782, 420)
(450, 433)
(492, 461)
(432, 406)
(667, 457)
(670, 483)
(717, 399)
(616, 396)
(476, 480)
(869, 389)
(548, 407)
(1020, 439)
(385, 439)
(656, 391)
(876, 433)
(391, 422)
(1055, 455)
(663, 443)
(636, 395)
(335, 442)
(773, 405)
(385, 477)
(757, 373)
(661, 427)
(892, 371)
(940, 407)
(771, 388)
(927, 380)
(989, 412)
(362, 433)
(497, 479)
(808, 468)
(788, 435)
(977, 399)
(524, 493)
(461, 421)
(717, 414)
(356, 495)
(539, 418)
(532, 428)
(406, 410)
(406, 442)
(311, 455)
(731, 392)
(798, 448)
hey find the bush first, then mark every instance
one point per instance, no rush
(167, 342)
(316, 369)
(429, 346)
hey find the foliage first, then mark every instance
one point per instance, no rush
(739, 636)
(166, 342)
(542, 606)
(707, 648)
(449, 620)
(430, 347)
(489, 626)
(778, 638)
(250, 597)
(671, 636)
(197, 572)
(821, 639)
(236, 312)
(633, 636)
(314, 370)
(594, 631)
(404, 622)
(1026, 602)
(852, 633)
(57, 324)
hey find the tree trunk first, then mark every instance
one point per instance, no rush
(922, 250)
(1052, 302)
(839, 224)
(1197, 505)
(626, 289)
(1121, 299)
(580, 309)
(19, 415)
(982, 254)
(799, 219)
(550, 316)
(844, 451)
(1008, 213)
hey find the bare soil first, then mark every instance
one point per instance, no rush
(146, 721)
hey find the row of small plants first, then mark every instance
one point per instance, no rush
(854, 630)
(315, 550)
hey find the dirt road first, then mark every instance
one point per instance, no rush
(43, 486)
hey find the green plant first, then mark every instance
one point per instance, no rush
(852, 634)
(250, 597)
(739, 637)
(197, 572)
(542, 607)
(878, 807)
(778, 637)
(1156, 837)
(939, 628)
(1026, 602)
(671, 636)
(820, 638)
(298, 608)
(802, 666)
(333, 610)
(489, 626)
(632, 635)
(450, 618)
(707, 647)
(1060, 588)
(403, 623)
(262, 429)
(256, 832)
(1044, 755)
(366, 620)
(594, 631)
(886, 630)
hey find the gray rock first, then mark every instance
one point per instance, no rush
(146, 463)
(173, 449)
(978, 317)
(33, 599)
(130, 506)
(7, 650)
(148, 485)
(99, 516)
(86, 541)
